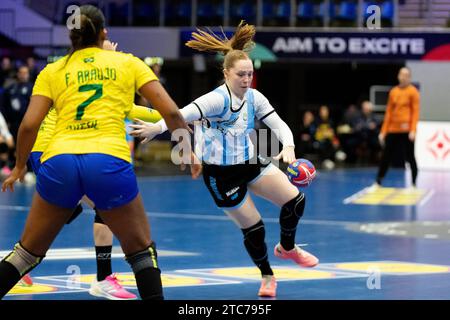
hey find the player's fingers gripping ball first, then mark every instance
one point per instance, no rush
(301, 173)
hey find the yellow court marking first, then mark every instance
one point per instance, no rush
(393, 267)
(35, 288)
(176, 281)
(204, 276)
(387, 196)
(280, 273)
(167, 280)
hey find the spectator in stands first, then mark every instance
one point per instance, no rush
(15, 103)
(7, 72)
(326, 138)
(307, 132)
(6, 144)
(34, 70)
(347, 134)
(367, 129)
(352, 116)
(155, 63)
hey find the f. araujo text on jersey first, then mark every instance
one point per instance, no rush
(92, 93)
(223, 136)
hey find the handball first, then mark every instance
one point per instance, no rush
(301, 173)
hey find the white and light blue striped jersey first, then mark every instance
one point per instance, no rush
(222, 136)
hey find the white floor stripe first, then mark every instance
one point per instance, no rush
(214, 217)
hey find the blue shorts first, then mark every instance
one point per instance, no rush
(35, 161)
(108, 181)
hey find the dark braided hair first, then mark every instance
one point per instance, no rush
(92, 22)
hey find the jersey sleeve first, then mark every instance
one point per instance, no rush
(263, 108)
(210, 105)
(142, 72)
(144, 113)
(42, 85)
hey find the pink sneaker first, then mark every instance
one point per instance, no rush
(6, 171)
(111, 289)
(26, 281)
(299, 256)
(268, 287)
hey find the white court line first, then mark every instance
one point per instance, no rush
(339, 274)
(64, 278)
(425, 199)
(16, 208)
(214, 217)
(225, 218)
(354, 196)
(88, 253)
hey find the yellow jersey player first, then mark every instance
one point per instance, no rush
(92, 91)
(106, 283)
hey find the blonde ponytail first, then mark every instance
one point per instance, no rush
(243, 37)
(233, 49)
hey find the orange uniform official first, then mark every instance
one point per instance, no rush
(402, 111)
(398, 132)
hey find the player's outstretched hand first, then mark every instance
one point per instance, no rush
(16, 174)
(287, 154)
(145, 130)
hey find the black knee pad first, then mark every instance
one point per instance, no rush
(97, 218)
(254, 241)
(76, 212)
(147, 258)
(292, 211)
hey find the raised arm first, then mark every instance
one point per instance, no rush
(149, 130)
(144, 113)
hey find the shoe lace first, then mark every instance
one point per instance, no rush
(115, 281)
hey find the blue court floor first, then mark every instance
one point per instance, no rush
(382, 244)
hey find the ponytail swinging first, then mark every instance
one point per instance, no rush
(233, 49)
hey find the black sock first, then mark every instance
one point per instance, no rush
(149, 284)
(9, 276)
(265, 268)
(103, 257)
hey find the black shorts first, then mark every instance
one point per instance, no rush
(228, 184)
